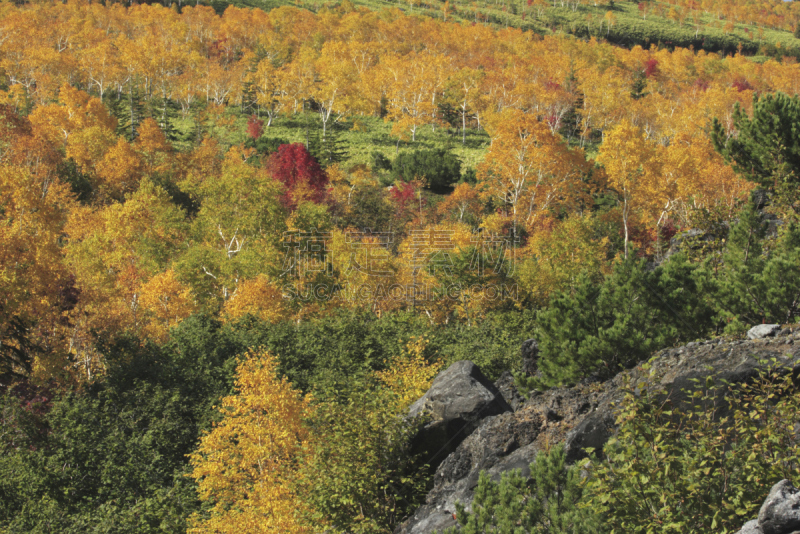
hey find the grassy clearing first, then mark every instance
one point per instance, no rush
(360, 136)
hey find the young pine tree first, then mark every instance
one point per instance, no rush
(116, 107)
(328, 150)
(548, 502)
(605, 328)
(759, 281)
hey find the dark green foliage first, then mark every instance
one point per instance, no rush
(572, 121)
(111, 458)
(369, 209)
(493, 342)
(79, 183)
(630, 31)
(116, 106)
(183, 200)
(319, 353)
(766, 149)
(639, 85)
(380, 162)
(135, 112)
(115, 454)
(199, 129)
(548, 502)
(249, 99)
(362, 478)
(165, 112)
(329, 149)
(16, 348)
(469, 177)
(759, 280)
(265, 145)
(449, 115)
(438, 167)
(701, 465)
(219, 6)
(602, 329)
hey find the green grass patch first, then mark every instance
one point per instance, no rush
(359, 135)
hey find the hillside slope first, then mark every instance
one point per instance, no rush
(584, 416)
(714, 27)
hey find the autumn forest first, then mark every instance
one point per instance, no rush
(237, 244)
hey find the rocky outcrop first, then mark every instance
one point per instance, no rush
(763, 330)
(508, 389)
(501, 443)
(580, 417)
(780, 513)
(458, 400)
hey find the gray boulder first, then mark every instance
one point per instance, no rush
(508, 389)
(780, 513)
(751, 527)
(592, 432)
(501, 443)
(763, 330)
(459, 398)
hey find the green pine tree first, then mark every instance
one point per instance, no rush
(135, 110)
(195, 135)
(639, 85)
(548, 502)
(166, 112)
(116, 106)
(330, 149)
(759, 281)
(767, 148)
(605, 328)
(570, 124)
(249, 104)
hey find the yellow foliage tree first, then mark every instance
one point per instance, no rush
(632, 167)
(88, 146)
(558, 254)
(165, 302)
(75, 111)
(32, 276)
(245, 466)
(529, 169)
(120, 170)
(410, 375)
(463, 200)
(259, 297)
(153, 147)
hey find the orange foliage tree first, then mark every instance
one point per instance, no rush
(529, 169)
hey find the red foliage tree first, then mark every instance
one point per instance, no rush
(303, 177)
(402, 195)
(741, 84)
(255, 127)
(651, 67)
(701, 84)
